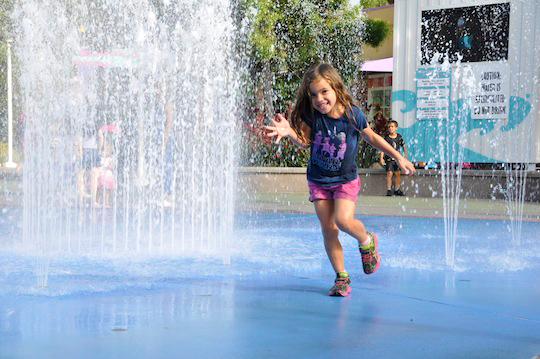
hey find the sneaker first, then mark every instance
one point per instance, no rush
(399, 193)
(370, 255)
(341, 287)
(389, 193)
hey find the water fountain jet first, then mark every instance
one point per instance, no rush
(163, 73)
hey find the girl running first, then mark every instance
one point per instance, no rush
(325, 113)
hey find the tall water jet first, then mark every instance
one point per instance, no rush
(514, 195)
(451, 156)
(154, 83)
(449, 124)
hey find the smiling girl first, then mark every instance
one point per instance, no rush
(324, 113)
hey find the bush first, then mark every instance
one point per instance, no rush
(375, 32)
(259, 150)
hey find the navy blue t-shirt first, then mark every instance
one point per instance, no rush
(334, 145)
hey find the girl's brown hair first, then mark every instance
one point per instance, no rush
(303, 107)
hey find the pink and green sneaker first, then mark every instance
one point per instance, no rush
(370, 255)
(342, 286)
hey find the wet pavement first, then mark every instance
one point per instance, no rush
(397, 313)
(272, 302)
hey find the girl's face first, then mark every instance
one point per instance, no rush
(323, 98)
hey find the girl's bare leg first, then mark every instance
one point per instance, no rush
(344, 219)
(325, 213)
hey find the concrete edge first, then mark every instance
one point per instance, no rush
(367, 171)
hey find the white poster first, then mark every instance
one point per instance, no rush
(433, 92)
(491, 98)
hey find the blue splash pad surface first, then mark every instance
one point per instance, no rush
(272, 303)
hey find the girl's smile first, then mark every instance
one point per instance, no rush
(323, 98)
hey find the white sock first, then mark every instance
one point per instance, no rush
(366, 242)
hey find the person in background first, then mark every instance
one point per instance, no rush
(380, 125)
(89, 144)
(392, 168)
(106, 179)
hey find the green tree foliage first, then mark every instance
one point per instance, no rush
(285, 37)
(366, 4)
(375, 32)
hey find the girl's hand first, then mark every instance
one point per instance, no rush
(406, 166)
(282, 128)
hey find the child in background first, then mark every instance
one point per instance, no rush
(324, 108)
(106, 180)
(88, 149)
(396, 141)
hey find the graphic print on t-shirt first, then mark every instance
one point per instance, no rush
(396, 142)
(329, 151)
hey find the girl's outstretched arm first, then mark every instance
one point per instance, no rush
(282, 128)
(380, 143)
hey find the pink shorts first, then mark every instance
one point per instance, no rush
(347, 190)
(106, 180)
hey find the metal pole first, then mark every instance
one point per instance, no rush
(10, 162)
